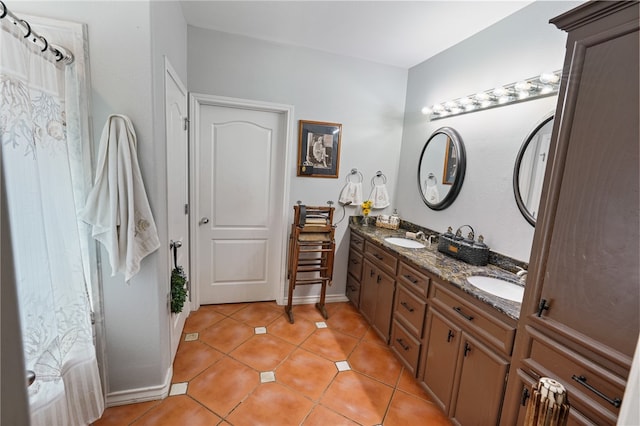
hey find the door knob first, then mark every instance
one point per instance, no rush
(204, 220)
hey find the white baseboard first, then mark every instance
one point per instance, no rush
(132, 396)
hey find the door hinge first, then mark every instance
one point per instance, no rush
(186, 123)
(186, 209)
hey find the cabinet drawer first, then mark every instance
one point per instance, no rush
(410, 309)
(405, 346)
(357, 242)
(413, 279)
(597, 391)
(383, 259)
(355, 264)
(491, 330)
(353, 291)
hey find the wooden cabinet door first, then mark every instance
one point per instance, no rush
(368, 291)
(386, 286)
(480, 384)
(441, 357)
(587, 237)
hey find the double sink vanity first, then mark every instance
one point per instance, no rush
(454, 325)
(451, 324)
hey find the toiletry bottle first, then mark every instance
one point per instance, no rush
(395, 218)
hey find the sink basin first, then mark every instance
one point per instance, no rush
(498, 287)
(404, 242)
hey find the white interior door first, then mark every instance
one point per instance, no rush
(240, 186)
(177, 185)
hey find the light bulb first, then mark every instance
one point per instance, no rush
(500, 92)
(549, 77)
(546, 89)
(482, 96)
(523, 86)
(426, 110)
(451, 105)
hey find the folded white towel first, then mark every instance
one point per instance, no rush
(352, 191)
(117, 205)
(380, 196)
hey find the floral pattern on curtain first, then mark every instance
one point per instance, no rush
(48, 240)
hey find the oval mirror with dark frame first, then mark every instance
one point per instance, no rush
(441, 168)
(528, 173)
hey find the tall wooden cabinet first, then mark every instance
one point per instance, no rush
(580, 314)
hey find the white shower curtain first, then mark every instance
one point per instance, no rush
(43, 157)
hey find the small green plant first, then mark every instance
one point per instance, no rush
(178, 290)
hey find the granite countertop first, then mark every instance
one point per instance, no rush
(445, 267)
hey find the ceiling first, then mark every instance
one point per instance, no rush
(397, 33)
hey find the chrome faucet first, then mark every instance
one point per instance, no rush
(421, 236)
(522, 273)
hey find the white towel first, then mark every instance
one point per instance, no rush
(380, 196)
(352, 191)
(431, 193)
(117, 205)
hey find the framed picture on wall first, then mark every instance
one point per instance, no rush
(450, 163)
(319, 149)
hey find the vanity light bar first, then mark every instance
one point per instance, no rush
(546, 84)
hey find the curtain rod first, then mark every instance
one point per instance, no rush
(60, 53)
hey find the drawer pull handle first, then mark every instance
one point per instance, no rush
(450, 336)
(372, 273)
(406, 306)
(355, 262)
(378, 279)
(410, 278)
(377, 256)
(543, 306)
(352, 288)
(616, 402)
(404, 346)
(459, 310)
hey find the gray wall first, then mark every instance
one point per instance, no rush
(520, 46)
(367, 98)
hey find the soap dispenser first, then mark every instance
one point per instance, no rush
(395, 218)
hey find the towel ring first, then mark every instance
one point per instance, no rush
(380, 175)
(432, 178)
(355, 172)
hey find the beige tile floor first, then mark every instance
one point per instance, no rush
(250, 366)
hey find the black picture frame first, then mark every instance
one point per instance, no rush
(319, 149)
